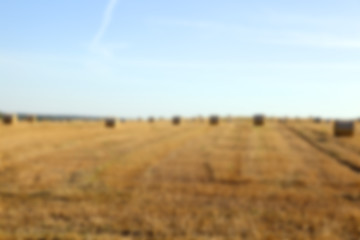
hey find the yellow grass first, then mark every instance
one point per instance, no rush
(80, 180)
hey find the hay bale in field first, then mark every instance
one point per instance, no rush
(259, 120)
(283, 120)
(110, 122)
(9, 119)
(200, 119)
(344, 128)
(317, 120)
(30, 118)
(214, 120)
(176, 120)
(229, 119)
(193, 119)
(151, 119)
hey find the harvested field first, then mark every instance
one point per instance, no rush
(78, 180)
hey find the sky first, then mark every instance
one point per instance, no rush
(188, 57)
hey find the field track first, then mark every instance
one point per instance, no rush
(194, 181)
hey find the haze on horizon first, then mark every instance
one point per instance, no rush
(160, 58)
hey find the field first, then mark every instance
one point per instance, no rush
(80, 180)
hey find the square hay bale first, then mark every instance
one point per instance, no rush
(259, 120)
(344, 128)
(110, 123)
(176, 120)
(10, 119)
(214, 120)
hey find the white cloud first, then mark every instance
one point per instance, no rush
(105, 21)
(96, 45)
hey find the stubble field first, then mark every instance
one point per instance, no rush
(78, 180)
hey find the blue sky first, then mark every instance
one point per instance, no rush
(189, 57)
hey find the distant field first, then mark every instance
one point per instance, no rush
(78, 180)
